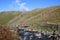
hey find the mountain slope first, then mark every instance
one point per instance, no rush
(50, 14)
(32, 18)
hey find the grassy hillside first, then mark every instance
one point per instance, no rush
(50, 14)
(34, 18)
(5, 17)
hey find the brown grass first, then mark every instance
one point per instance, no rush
(6, 34)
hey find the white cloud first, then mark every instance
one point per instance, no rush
(21, 5)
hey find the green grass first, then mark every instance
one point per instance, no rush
(5, 17)
(40, 28)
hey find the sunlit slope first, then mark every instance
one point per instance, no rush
(50, 14)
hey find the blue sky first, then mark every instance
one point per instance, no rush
(26, 5)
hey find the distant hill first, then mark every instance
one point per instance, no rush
(32, 18)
